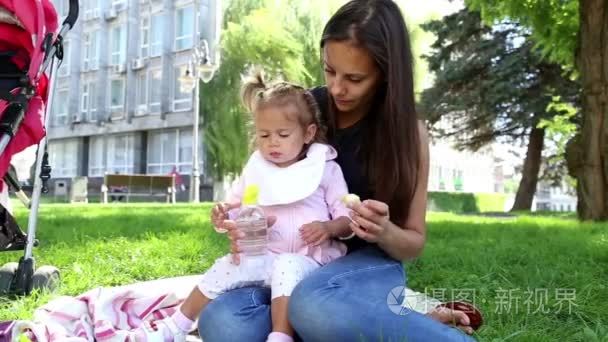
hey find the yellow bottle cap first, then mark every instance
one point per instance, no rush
(250, 196)
(23, 338)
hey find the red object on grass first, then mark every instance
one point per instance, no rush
(469, 309)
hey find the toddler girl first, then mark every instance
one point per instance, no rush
(299, 184)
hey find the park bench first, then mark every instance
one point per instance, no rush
(134, 185)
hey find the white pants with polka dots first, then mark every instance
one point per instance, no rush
(280, 272)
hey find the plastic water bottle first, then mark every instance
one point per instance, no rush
(251, 221)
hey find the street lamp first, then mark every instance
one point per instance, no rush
(201, 68)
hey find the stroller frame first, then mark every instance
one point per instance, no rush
(21, 278)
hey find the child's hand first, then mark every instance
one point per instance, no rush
(219, 214)
(235, 235)
(315, 233)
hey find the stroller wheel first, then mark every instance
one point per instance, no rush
(45, 278)
(7, 273)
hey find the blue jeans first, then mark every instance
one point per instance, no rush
(345, 300)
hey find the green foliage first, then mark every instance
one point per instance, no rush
(455, 202)
(464, 202)
(491, 83)
(553, 23)
(490, 202)
(510, 186)
(420, 40)
(559, 130)
(249, 38)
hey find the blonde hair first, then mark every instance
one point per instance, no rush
(256, 93)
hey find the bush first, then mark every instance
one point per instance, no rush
(465, 202)
(491, 202)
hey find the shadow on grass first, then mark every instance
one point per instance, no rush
(556, 214)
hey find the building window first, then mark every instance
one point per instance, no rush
(91, 51)
(151, 36)
(155, 89)
(185, 151)
(88, 101)
(149, 89)
(96, 165)
(440, 178)
(92, 114)
(433, 178)
(84, 99)
(64, 67)
(64, 157)
(181, 100)
(458, 180)
(60, 107)
(161, 152)
(145, 37)
(91, 9)
(120, 154)
(118, 45)
(168, 149)
(142, 93)
(117, 95)
(156, 36)
(184, 28)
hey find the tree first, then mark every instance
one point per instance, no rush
(560, 129)
(421, 40)
(492, 85)
(574, 33)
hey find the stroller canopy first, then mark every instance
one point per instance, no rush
(24, 26)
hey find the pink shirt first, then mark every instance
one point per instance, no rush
(324, 204)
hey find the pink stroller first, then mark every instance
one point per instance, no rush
(29, 46)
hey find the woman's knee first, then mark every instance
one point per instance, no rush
(336, 290)
(311, 302)
(303, 298)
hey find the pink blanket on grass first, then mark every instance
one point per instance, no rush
(105, 314)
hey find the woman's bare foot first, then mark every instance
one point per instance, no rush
(449, 316)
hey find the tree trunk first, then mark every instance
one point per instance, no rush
(592, 59)
(529, 176)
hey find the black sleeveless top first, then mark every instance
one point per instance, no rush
(347, 143)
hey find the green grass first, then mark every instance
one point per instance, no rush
(481, 257)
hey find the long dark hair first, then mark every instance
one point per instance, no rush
(392, 150)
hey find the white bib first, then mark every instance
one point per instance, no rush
(285, 185)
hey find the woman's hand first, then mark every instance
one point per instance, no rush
(371, 220)
(235, 235)
(315, 233)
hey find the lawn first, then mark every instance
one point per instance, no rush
(536, 278)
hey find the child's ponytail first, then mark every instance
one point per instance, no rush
(254, 86)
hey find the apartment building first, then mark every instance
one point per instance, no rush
(118, 106)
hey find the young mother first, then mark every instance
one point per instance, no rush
(368, 104)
